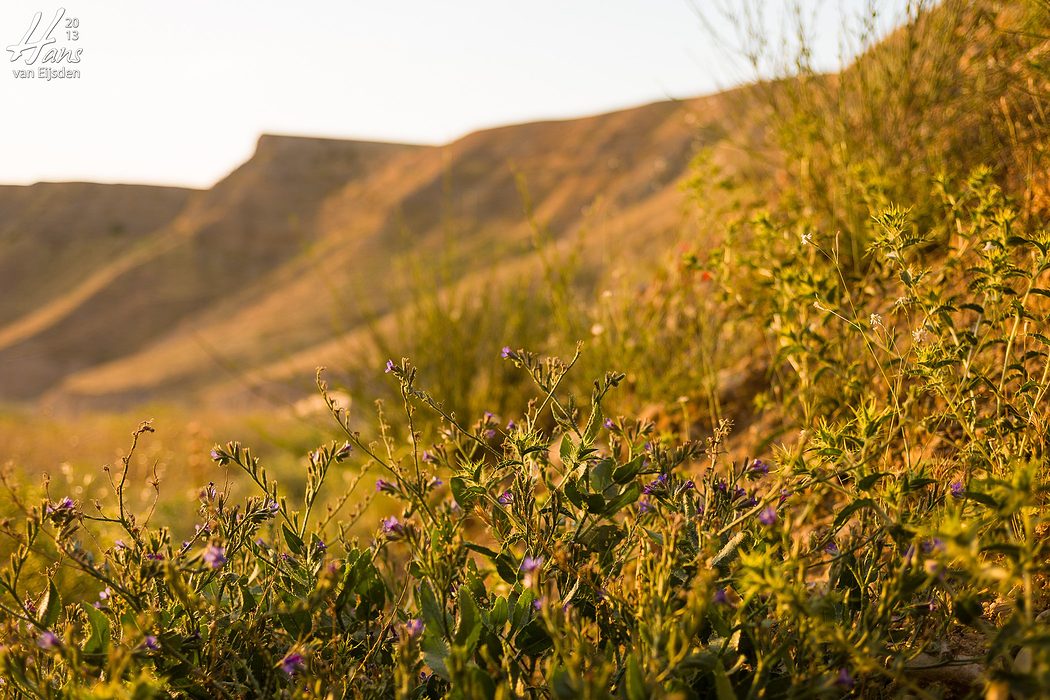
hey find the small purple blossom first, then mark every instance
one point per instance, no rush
(538, 603)
(427, 457)
(105, 594)
(436, 483)
(511, 425)
(48, 640)
(320, 546)
(344, 451)
(609, 425)
(489, 415)
(414, 627)
(844, 679)
(768, 516)
(957, 489)
(688, 485)
(392, 526)
(155, 556)
(506, 352)
(292, 663)
(720, 597)
(644, 506)
(66, 505)
(387, 370)
(721, 486)
(150, 643)
(506, 498)
(382, 485)
(490, 433)
(831, 548)
(932, 545)
(214, 556)
(215, 454)
(530, 564)
(759, 468)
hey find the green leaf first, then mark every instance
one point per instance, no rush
(522, 609)
(98, 642)
(295, 543)
(723, 688)
(869, 481)
(433, 613)
(533, 639)
(602, 538)
(633, 681)
(500, 612)
(566, 451)
(461, 492)
(469, 629)
(435, 651)
(601, 475)
(849, 510)
(50, 606)
(628, 496)
(624, 473)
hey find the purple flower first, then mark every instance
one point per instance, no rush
(609, 425)
(384, 485)
(48, 640)
(436, 482)
(530, 564)
(506, 498)
(538, 603)
(934, 545)
(721, 485)
(831, 548)
(105, 594)
(490, 433)
(489, 415)
(506, 352)
(768, 516)
(155, 556)
(720, 597)
(427, 457)
(389, 368)
(214, 556)
(291, 663)
(759, 468)
(644, 506)
(844, 680)
(215, 454)
(320, 546)
(414, 627)
(511, 425)
(344, 451)
(272, 505)
(957, 489)
(392, 526)
(150, 643)
(688, 485)
(66, 505)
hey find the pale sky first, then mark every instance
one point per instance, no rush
(178, 91)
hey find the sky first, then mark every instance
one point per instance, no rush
(177, 92)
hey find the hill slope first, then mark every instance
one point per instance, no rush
(276, 265)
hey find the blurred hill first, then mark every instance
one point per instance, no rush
(116, 294)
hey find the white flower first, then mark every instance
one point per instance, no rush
(807, 238)
(919, 334)
(875, 320)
